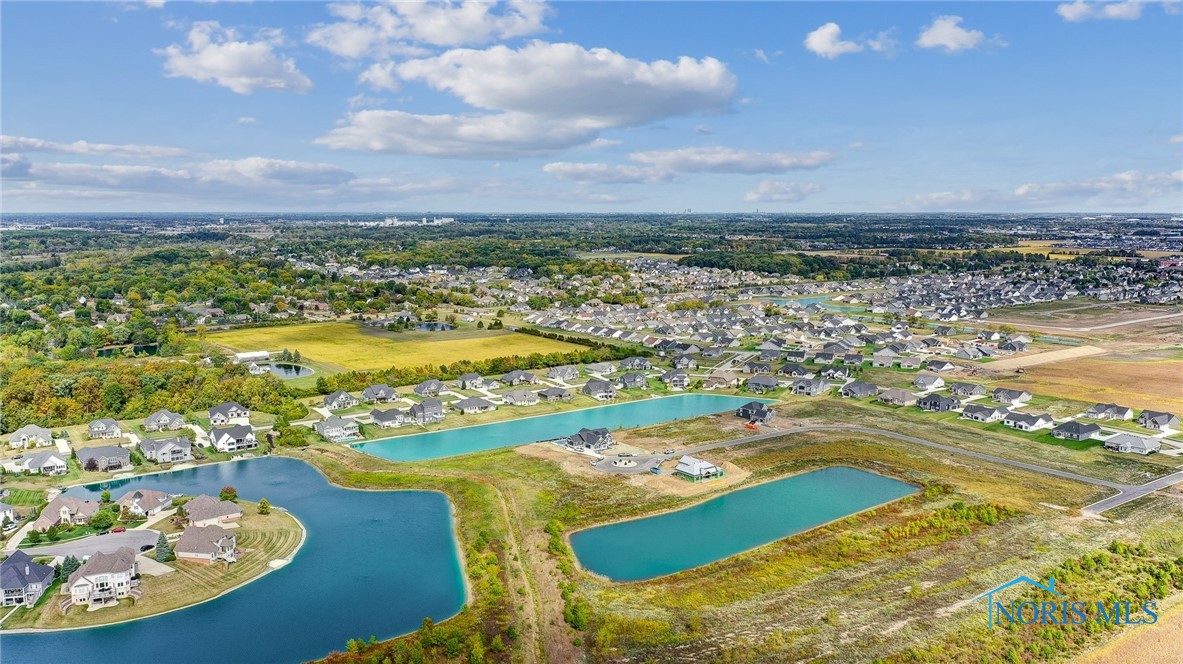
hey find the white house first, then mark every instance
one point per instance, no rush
(233, 438)
(30, 435)
(104, 578)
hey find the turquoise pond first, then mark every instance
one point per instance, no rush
(450, 442)
(375, 562)
(732, 523)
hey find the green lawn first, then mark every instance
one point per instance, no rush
(26, 497)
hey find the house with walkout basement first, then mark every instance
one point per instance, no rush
(858, 390)
(22, 580)
(104, 458)
(49, 462)
(696, 470)
(592, 440)
(430, 388)
(428, 410)
(335, 428)
(233, 438)
(105, 578)
(761, 384)
(167, 450)
(207, 545)
(553, 394)
(1152, 419)
(390, 418)
(104, 428)
(601, 390)
(755, 411)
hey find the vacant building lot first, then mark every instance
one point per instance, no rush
(1154, 381)
(349, 346)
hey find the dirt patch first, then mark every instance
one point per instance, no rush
(1155, 384)
(578, 464)
(1010, 364)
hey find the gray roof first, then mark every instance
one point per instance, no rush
(207, 507)
(391, 415)
(19, 571)
(201, 539)
(153, 445)
(225, 408)
(121, 560)
(102, 451)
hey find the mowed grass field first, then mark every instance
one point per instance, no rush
(352, 346)
(1153, 383)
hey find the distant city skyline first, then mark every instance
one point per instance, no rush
(592, 106)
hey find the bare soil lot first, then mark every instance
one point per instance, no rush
(1149, 381)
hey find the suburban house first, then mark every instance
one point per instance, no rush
(1109, 411)
(167, 450)
(601, 368)
(390, 418)
(966, 389)
(722, 379)
(340, 400)
(519, 377)
(858, 390)
(1152, 419)
(164, 420)
(104, 578)
(599, 389)
(909, 362)
(793, 370)
(676, 379)
(759, 368)
(696, 470)
(66, 511)
(1128, 442)
(473, 405)
(470, 381)
(207, 544)
(632, 381)
(335, 428)
(1011, 397)
(839, 374)
(104, 458)
(853, 360)
(979, 413)
(1027, 421)
(430, 388)
(1076, 430)
(553, 394)
(520, 398)
(883, 357)
(30, 435)
(104, 428)
(896, 397)
(938, 403)
(233, 438)
(49, 462)
(379, 393)
(635, 364)
(228, 412)
(810, 387)
(928, 382)
(565, 373)
(940, 365)
(206, 510)
(144, 502)
(428, 410)
(755, 411)
(824, 358)
(592, 440)
(685, 362)
(22, 580)
(761, 384)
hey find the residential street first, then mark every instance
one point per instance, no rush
(98, 544)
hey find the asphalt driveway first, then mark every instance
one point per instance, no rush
(108, 543)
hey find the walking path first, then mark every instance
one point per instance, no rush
(1125, 492)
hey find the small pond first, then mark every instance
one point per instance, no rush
(288, 371)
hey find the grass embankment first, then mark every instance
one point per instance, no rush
(264, 537)
(350, 346)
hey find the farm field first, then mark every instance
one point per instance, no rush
(1146, 383)
(348, 346)
(1082, 315)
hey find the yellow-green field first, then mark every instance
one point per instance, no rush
(352, 346)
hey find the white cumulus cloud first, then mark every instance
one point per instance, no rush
(214, 54)
(827, 42)
(774, 191)
(718, 159)
(380, 30)
(379, 76)
(595, 173)
(1079, 10)
(945, 32)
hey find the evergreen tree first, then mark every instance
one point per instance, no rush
(264, 506)
(69, 566)
(164, 552)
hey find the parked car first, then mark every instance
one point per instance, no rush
(655, 470)
(102, 532)
(670, 451)
(120, 529)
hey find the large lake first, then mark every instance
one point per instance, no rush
(375, 562)
(645, 412)
(732, 523)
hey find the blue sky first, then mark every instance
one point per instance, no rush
(592, 106)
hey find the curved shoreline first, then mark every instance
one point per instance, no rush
(579, 565)
(269, 569)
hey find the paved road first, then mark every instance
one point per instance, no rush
(1126, 492)
(108, 543)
